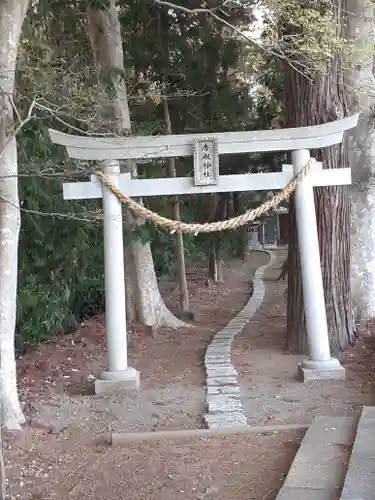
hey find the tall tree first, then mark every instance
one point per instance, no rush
(361, 82)
(12, 14)
(105, 38)
(180, 252)
(163, 27)
(315, 95)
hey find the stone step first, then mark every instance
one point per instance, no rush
(318, 470)
(360, 478)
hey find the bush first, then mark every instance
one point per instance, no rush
(60, 258)
(41, 311)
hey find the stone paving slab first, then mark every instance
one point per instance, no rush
(360, 478)
(223, 390)
(222, 381)
(225, 405)
(217, 401)
(216, 358)
(225, 408)
(331, 430)
(306, 494)
(219, 350)
(318, 469)
(368, 413)
(225, 342)
(224, 336)
(219, 370)
(218, 362)
(235, 419)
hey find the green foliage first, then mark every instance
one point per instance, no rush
(97, 4)
(43, 310)
(61, 262)
(205, 75)
(307, 34)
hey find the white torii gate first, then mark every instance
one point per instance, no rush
(206, 151)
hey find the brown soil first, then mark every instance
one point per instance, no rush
(267, 373)
(52, 456)
(59, 455)
(239, 467)
(64, 364)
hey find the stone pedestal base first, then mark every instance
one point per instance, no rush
(112, 382)
(310, 370)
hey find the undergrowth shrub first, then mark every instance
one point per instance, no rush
(61, 246)
(61, 278)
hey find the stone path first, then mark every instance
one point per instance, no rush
(223, 396)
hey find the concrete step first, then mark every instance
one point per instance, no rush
(318, 470)
(360, 478)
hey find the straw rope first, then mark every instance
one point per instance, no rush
(209, 227)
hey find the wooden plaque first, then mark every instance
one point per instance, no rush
(206, 161)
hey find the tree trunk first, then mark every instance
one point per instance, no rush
(215, 262)
(12, 13)
(311, 103)
(212, 261)
(130, 278)
(216, 211)
(219, 267)
(151, 309)
(104, 32)
(3, 482)
(361, 30)
(163, 27)
(180, 252)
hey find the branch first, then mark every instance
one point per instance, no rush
(20, 126)
(95, 215)
(204, 10)
(41, 107)
(210, 12)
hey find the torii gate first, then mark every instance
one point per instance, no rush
(206, 151)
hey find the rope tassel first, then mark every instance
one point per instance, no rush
(209, 227)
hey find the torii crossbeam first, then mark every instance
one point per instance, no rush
(206, 151)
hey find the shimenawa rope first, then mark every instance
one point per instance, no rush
(209, 227)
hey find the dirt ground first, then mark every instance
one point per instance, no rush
(61, 454)
(54, 377)
(238, 467)
(267, 374)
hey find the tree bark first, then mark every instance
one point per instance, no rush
(12, 14)
(163, 28)
(314, 102)
(3, 482)
(104, 32)
(223, 207)
(215, 261)
(361, 30)
(180, 252)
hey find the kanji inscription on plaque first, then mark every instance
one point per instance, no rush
(206, 161)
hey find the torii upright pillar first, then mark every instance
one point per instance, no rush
(319, 365)
(118, 374)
